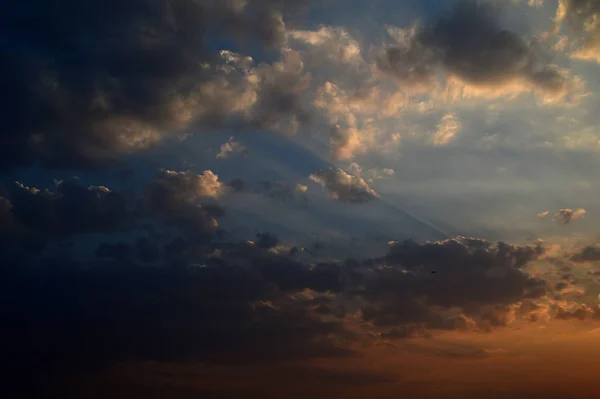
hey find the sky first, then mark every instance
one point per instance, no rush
(298, 198)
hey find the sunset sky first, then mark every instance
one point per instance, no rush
(300, 199)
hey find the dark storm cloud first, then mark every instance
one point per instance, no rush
(420, 282)
(344, 187)
(77, 320)
(201, 296)
(70, 209)
(32, 217)
(93, 314)
(469, 43)
(249, 301)
(97, 80)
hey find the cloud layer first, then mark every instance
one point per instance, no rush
(245, 167)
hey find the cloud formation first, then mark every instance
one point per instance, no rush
(183, 200)
(582, 28)
(109, 79)
(344, 187)
(565, 216)
(231, 147)
(165, 269)
(470, 45)
(452, 284)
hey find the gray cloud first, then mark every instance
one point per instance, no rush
(451, 284)
(90, 84)
(588, 254)
(469, 43)
(183, 200)
(274, 190)
(565, 216)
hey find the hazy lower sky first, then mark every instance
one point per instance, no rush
(297, 198)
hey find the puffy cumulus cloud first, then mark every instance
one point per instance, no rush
(447, 129)
(583, 29)
(106, 79)
(442, 70)
(189, 186)
(470, 48)
(348, 96)
(231, 147)
(565, 216)
(280, 91)
(347, 142)
(344, 187)
(332, 43)
(453, 284)
(184, 200)
(370, 175)
(352, 131)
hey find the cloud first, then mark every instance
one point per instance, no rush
(344, 187)
(231, 147)
(447, 129)
(302, 188)
(348, 142)
(588, 254)
(332, 43)
(253, 299)
(583, 37)
(279, 103)
(71, 209)
(565, 216)
(189, 186)
(439, 285)
(468, 45)
(183, 200)
(351, 133)
(153, 313)
(577, 311)
(105, 81)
